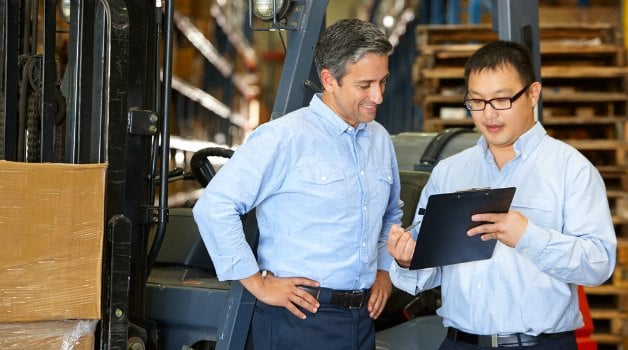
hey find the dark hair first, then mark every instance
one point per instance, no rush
(348, 41)
(499, 54)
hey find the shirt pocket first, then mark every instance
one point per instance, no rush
(324, 190)
(538, 209)
(322, 175)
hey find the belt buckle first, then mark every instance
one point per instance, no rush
(486, 341)
(355, 296)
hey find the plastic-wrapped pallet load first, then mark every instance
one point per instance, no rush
(53, 335)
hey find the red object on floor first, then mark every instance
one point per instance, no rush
(583, 335)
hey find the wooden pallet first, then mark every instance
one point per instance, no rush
(618, 202)
(584, 52)
(622, 251)
(548, 72)
(620, 276)
(616, 180)
(607, 296)
(584, 72)
(481, 33)
(610, 341)
(609, 326)
(608, 304)
(610, 155)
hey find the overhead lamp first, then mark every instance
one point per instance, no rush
(64, 10)
(388, 21)
(270, 10)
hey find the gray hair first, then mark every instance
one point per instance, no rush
(346, 42)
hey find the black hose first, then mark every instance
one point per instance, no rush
(157, 103)
(165, 139)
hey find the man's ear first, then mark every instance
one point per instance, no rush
(327, 80)
(535, 92)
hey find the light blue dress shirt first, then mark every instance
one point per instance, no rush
(569, 241)
(325, 193)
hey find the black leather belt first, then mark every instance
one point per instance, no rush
(494, 341)
(352, 299)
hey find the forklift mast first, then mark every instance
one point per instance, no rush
(97, 102)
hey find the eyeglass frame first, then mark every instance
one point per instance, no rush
(511, 99)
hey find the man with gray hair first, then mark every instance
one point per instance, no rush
(325, 184)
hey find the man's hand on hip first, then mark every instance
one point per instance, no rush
(284, 292)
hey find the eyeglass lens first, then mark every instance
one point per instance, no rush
(499, 103)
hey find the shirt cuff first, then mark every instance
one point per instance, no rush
(232, 268)
(384, 259)
(533, 242)
(403, 278)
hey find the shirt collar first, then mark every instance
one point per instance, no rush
(525, 144)
(528, 141)
(338, 125)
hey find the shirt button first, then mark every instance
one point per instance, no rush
(364, 208)
(362, 173)
(323, 178)
(479, 285)
(525, 251)
(364, 244)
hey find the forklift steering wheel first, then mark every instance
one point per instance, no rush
(201, 167)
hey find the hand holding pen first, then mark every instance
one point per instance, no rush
(407, 229)
(401, 244)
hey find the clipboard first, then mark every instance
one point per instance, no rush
(443, 239)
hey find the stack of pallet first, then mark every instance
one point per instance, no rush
(584, 103)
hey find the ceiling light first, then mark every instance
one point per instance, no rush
(64, 10)
(388, 21)
(268, 10)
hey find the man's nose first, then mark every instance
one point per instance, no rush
(489, 110)
(376, 94)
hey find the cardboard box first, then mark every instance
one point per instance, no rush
(48, 335)
(51, 239)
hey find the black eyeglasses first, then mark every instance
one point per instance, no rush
(499, 103)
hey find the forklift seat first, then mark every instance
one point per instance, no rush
(182, 245)
(412, 183)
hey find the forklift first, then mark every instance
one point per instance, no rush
(110, 102)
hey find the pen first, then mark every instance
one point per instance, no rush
(407, 229)
(411, 226)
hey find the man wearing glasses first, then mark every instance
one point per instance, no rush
(557, 235)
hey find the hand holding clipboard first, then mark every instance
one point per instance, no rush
(443, 238)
